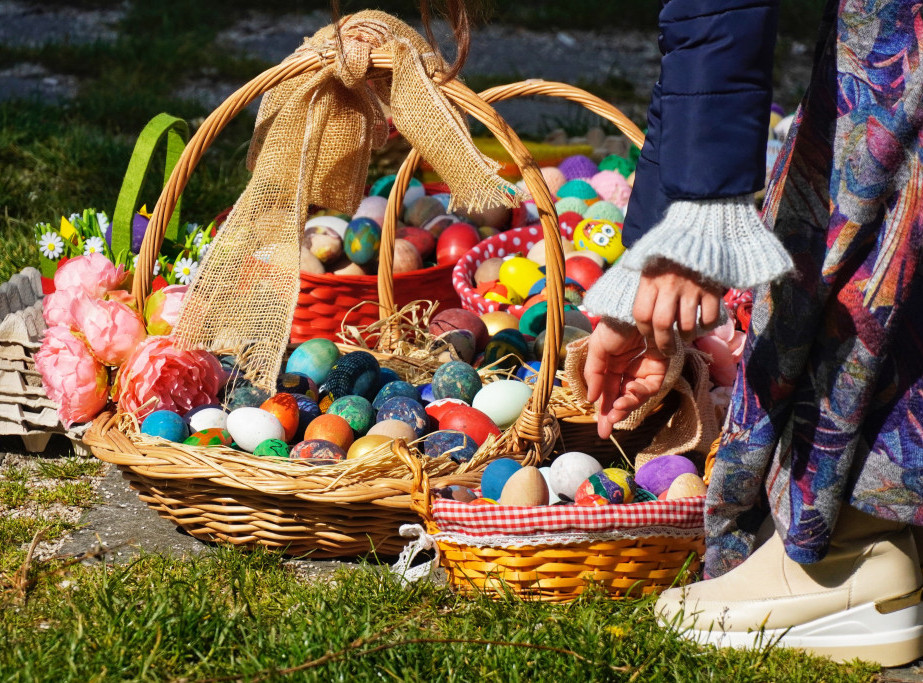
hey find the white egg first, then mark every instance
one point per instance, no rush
(249, 427)
(335, 223)
(571, 469)
(414, 192)
(372, 207)
(208, 418)
(502, 401)
(552, 496)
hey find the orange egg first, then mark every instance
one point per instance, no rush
(331, 428)
(285, 408)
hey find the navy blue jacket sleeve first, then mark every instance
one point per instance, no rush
(709, 116)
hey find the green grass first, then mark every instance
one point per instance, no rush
(230, 614)
(70, 468)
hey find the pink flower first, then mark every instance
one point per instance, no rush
(161, 310)
(123, 297)
(72, 377)
(725, 345)
(112, 329)
(168, 377)
(60, 307)
(93, 274)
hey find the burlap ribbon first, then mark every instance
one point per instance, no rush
(312, 145)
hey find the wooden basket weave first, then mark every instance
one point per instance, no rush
(221, 495)
(560, 573)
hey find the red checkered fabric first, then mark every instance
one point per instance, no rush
(451, 516)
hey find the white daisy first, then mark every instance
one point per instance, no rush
(51, 245)
(134, 265)
(94, 245)
(184, 269)
(103, 221)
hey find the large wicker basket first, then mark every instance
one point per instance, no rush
(221, 495)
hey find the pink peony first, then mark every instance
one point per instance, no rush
(159, 376)
(123, 297)
(112, 329)
(161, 310)
(72, 377)
(726, 346)
(94, 274)
(60, 307)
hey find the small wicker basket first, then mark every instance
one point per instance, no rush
(347, 509)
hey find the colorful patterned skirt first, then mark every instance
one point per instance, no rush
(828, 404)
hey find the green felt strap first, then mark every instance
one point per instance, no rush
(177, 133)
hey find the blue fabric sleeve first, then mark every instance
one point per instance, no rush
(709, 117)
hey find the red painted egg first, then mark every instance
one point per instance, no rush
(424, 241)
(460, 319)
(455, 241)
(471, 421)
(437, 409)
(585, 271)
(285, 408)
(568, 222)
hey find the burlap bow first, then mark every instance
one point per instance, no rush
(312, 145)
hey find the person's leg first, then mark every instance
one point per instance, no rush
(862, 600)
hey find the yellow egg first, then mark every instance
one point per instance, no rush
(365, 444)
(527, 487)
(686, 486)
(499, 320)
(519, 274)
(602, 237)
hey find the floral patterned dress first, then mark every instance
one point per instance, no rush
(828, 404)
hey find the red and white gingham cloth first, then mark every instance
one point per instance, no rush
(454, 517)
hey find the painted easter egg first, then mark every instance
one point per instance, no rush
(251, 426)
(313, 358)
(382, 188)
(386, 375)
(657, 474)
(456, 380)
(528, 373)
(245, 395)
(609, 487)
(426, 393)
(333, 428)
(601, 237)
(396, 388)
(407, 410)
(582, 269)
(285, 408)
(455, 345)
(459, 446)
(577, 319)
(553, 498)
(334, 223)
(569, 470)
(362, 240)
(318, 452)
(460, 319)
(276, 448)
(462, 494)
(526, 487)
(356, 410)
(455, 241)
(423, 241)
(471, 421)
(373, 207)
(209, 416)
(324, 243)
(308, 410)
(488, 271)
(503, 401)
(499, 320)
(165, 424)
(519, 274)
(436, 226)
(686, 485)
(437, 409)
(495, 476)
(506, 350)
(568, 335)
(296, 383)
(355, 373)
(213, 436)
(422, 210)
(406, 257)
(366, 444)
(393, 429)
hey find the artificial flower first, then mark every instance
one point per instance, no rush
(51, 245)
(161, 310)
(94, 274)
(111, 328)
(134, 265)
(184, 270)
(725, 345)
(73, 378)
(160, 376)
(94, 245)
(122, 296)
(59, 307)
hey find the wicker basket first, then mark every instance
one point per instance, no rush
(339, 510)
(556, 572)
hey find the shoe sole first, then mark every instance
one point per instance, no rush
(862, 632)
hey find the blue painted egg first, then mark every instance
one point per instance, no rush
(313, 358)
(609, 487)
(362, 240)
(496, 475)
(209, 438)
(307, 411)
(426, 393)
(507, 346)
(460, 446)
(296, 383)
(456, 379)
(166, 424)
(276, 448)
(353, 374)
(356, 410)
(392, 389)
(529, 372)
(318, 452)
(245, 395)
(407, 410)
(387, 375)
(206, 417)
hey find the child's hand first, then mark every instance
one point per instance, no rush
(621, 372)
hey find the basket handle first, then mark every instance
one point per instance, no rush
(529, 426)
(177, 132)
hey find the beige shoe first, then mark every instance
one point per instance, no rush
(863, 600)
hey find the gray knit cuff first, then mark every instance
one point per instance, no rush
(613, 295)
(724, 240)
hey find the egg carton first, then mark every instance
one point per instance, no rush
(25, 409)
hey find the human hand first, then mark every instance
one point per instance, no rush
(621, 372)
(671, 295)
